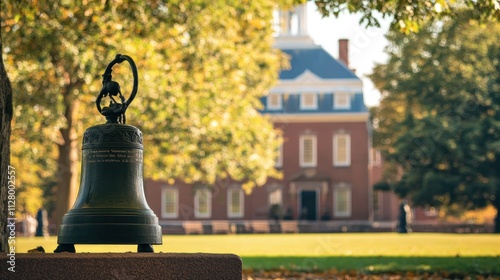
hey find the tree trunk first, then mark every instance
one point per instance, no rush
(67, 162)
(5, 130)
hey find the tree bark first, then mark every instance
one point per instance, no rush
(5, 131)
(67, 162)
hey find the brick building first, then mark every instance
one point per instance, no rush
(326, 158)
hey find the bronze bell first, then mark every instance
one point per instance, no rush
(110, 207)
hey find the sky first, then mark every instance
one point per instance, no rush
(366, 45)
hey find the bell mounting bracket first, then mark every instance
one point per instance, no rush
(115, 111)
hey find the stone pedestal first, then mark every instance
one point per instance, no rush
(123, 266)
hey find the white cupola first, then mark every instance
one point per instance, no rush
(290, 27)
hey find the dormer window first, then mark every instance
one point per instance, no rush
(274, 101)
(308, 101)
(342, 100)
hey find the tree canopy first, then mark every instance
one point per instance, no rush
(408, 16)
(203, 65)
(438, 123)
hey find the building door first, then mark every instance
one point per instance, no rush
(308, 204)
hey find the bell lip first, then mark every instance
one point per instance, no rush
(110, 226)
(110, 234)
(109, 218)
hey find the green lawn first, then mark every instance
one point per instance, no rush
(365, 252)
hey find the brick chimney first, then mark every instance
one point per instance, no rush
(344, 51)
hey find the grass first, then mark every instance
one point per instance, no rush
(363, 252)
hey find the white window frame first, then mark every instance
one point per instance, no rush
(337, 97)
(275, 197)
(279, 159)
(335, 141)
(305, 106)
(279, 101)
(240, 213)
(336, 201)
(165, 214)
(314, 150)
(206, 192)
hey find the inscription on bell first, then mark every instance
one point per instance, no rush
(113, 155)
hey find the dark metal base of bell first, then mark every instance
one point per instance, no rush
(110, 226)
(70, 248)
(65, 248)
(145, 248)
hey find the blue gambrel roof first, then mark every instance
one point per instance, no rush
(316, 60)
(323, 65)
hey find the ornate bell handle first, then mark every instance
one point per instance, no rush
(115, 112)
